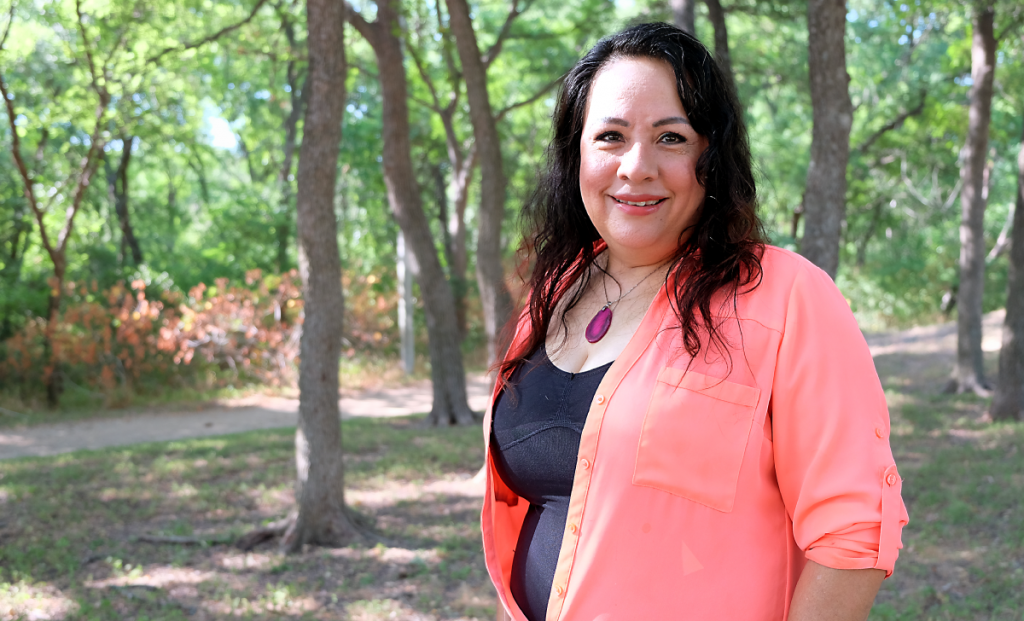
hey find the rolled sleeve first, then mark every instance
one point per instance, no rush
(830, 428)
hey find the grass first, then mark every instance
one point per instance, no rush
(68, 529)
(963, 555)
(68, 524)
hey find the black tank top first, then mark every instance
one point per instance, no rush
(535, 439)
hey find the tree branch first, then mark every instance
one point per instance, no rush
(220, 33)
(519, 104)
(492, 53)
(426, 78)
(893, 124)
(363, 27)
(30, 194)
(7, 29)
(83, 180)
(1014, 23)
(88, 49)
(1003, 241)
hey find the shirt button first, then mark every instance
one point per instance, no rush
(600, 399)
(585, 464)
(573, 528)
(560, 590)
(891, 479)
(880, 432)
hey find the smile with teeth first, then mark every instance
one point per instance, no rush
(640, 203)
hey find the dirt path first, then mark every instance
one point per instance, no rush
(934, 344)
(228, 416)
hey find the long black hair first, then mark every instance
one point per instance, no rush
(723, 252)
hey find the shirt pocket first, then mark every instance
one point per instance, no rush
(694, 436)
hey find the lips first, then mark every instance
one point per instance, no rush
(639, 200)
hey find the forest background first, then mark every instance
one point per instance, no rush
(199, 196)
(184, 119)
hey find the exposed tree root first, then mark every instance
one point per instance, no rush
(180, 540)
(351, 527)
(956, 387)
(255, 537)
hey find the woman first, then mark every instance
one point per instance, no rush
(689, 423)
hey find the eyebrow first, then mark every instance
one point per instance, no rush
(672, 120)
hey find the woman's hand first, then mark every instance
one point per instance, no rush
(826, 594)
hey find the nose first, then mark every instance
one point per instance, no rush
(638, 163)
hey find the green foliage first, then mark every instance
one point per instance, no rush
(216, 129)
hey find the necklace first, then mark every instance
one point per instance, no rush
(602, 320)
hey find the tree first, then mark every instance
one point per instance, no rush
(716, 14)
(450, 405)
(320, 492)
(117, 188)
(825, 194)
(1008, 398)
(494, 294)
(969, 371)
(56, 247)
(683, 14)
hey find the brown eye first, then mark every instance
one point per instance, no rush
(673, 138)
(609, 137)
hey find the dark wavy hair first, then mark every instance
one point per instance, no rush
(723, 252)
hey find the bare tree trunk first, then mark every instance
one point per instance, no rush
(494, 294)
(450, 405)
(717, 17)
(1008, 400)
(456, 270)
(298, 92)
(825, 195)
(117, 189)
(683, 14)
(320, 491)
(969, 372)
(405, 307)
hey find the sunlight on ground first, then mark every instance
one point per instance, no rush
(35, 602)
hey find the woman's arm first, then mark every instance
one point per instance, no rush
(826, 594)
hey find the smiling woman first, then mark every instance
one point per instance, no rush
(638, 160)
(687, 419)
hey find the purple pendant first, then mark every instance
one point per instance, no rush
(599, 325)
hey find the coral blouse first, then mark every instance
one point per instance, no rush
(703, 485)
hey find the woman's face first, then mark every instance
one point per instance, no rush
(638, 155)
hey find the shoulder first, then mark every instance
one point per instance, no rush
(787, 280)
(786, 265)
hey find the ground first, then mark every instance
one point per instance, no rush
(73, 527)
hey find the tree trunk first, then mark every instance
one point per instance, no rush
(717, 17)
(825, 195)
(117, 188)
(683, 15)
(449, 379)
(456, 271)
(51, 370)
(1008, 400)
(969, 372)
(405, 307)
(320, 491)
(494, 295)
(283, 224)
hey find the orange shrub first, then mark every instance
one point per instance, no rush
(123, 338)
